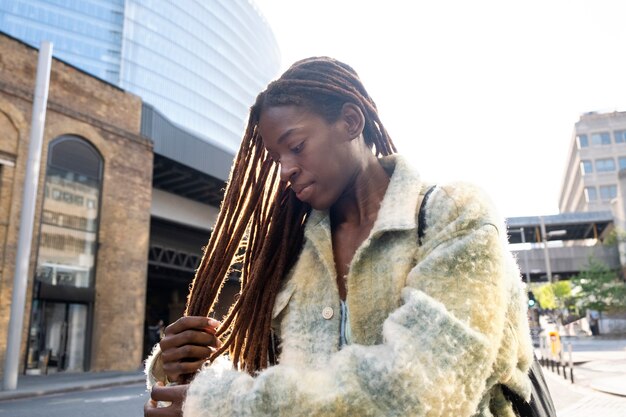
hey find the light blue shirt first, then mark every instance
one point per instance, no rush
(345, 335)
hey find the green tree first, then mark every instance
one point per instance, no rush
(552, 296)
(545, 296)
(599, 288)
(614, 237)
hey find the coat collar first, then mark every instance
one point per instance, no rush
(397, 210)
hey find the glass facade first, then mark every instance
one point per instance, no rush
(199, 62)
(84, 33)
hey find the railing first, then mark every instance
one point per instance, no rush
(552, 356)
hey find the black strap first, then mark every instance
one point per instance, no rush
(421, 216)
(540, 404)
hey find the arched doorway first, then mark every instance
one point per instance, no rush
(63, 296)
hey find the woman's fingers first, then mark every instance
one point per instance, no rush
(186, 352)
(170, 393)
(192, 322)
(187, 343)
(188, 337)
(173, 396)
(174, 370)
(150, 409)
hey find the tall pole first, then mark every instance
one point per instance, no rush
(31, 181)
(544, 237)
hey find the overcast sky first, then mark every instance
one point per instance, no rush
(483, 90)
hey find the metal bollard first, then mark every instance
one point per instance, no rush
(571, 362)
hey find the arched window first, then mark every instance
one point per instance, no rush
(64, 281)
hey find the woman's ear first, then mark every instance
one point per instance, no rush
(354, 120)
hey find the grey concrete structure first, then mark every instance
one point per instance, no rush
(560, 245)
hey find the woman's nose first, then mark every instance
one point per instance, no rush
(288, 171)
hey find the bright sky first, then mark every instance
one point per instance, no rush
(485, 90)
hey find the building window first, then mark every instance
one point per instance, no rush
(608, 192)
(622, 162)
(605, 164)
(586, 167)
(601, 138)
(66, 256)
(591, 194)
(620, 136)
(583, 141)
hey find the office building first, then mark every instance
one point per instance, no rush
(199, 63)
(596, 155)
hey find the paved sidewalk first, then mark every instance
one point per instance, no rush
(602, 360)
(599, 375)
(36, 385)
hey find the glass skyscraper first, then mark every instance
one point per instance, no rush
(199, 62)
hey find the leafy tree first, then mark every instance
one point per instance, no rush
(597, 287)
(545, 296)
(556, 295)
(614, 237)
(555, 300)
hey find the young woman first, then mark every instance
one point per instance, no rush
(344, 310)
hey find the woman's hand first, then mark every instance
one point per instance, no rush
(186, 345)
(174, 395)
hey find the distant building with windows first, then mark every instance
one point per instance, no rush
(596, 155)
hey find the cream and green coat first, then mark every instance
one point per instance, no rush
(435, 328)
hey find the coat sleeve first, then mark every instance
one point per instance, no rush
(153, 368)
(439, 347)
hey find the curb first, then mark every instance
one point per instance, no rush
(607, 385)
(598, 386)
(34, 392)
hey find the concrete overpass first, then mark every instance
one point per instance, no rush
(567, 240)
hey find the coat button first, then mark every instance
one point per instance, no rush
(327, 313)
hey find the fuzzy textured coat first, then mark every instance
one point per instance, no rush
(435, 327)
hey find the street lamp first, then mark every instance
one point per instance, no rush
(544, 238)
(521, 232)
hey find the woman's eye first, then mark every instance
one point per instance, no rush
(298, 148)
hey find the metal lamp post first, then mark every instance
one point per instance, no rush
(544, 238)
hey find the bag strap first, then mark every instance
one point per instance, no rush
(421, 215)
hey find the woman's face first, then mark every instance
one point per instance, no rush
(318, 159)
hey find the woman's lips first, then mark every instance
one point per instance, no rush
(303, 192)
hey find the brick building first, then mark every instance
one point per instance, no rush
(85, 301)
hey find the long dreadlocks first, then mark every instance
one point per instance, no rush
(260, 225)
